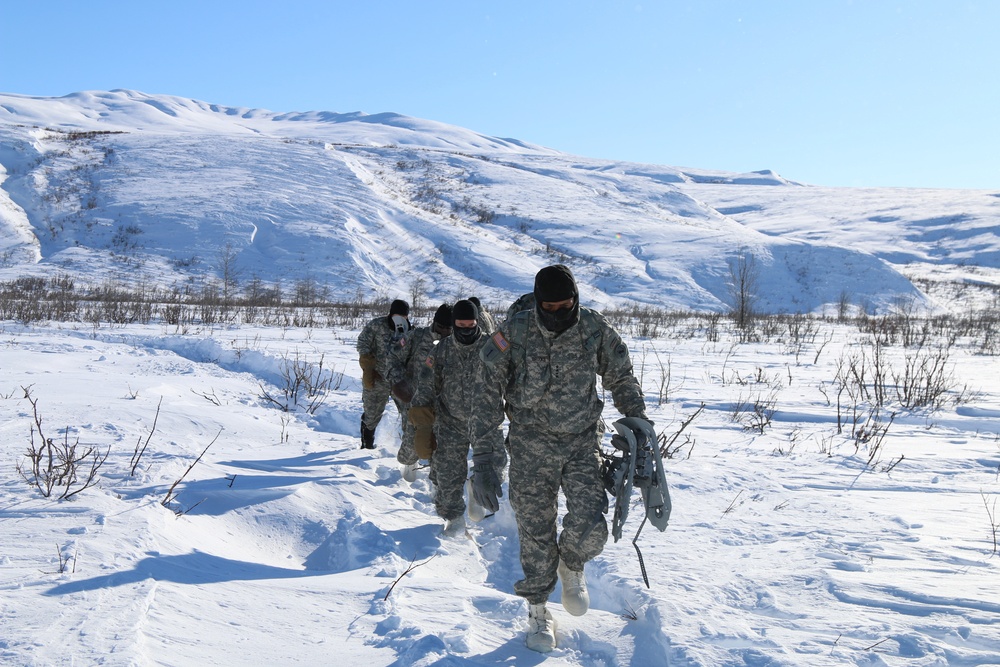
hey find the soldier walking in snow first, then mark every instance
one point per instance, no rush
(545, 362)
(442, 411)
(485, 320)
(380, 368)
(412, 351)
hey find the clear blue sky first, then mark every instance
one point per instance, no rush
(829, 92)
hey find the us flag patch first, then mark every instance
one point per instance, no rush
(429, 362)
(500, 341)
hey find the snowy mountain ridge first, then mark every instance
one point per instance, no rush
(113, 184)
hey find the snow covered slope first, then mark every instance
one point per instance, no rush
(122, 184)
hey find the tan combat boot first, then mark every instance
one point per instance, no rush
(541, 629)
(575, 598)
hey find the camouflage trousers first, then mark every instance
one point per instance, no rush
(374, 401)
(407, 454)
(540, 465)
(450, 468)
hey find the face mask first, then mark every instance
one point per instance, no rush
(559, 320)
(401, 324)
(466, 335)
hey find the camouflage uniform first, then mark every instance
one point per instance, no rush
(453, 375)
(549, 382)
(523, 302)
(486, 322)
(379, 339)
(410, 354)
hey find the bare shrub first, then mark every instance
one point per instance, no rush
(171, 496)
(801, 332)
(743, 286)
(991, 512)
(872, 433)
(843, 306)
(140, 446)
(669, 446)
(663, 385)
(303, 384)
(61, 468)
(925, 379)
(64, 561)
(755, 411)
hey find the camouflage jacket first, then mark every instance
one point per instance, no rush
(413, 350)
(524, 302)
(453, 378)
(486, 322)
(550, 382)
(379, 339)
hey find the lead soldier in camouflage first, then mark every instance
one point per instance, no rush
(545, 362)
(442, 410)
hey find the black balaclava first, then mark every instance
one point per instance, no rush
(399, 307)
(556, 283)
(465, 310)
(402, 309)
(442, 321)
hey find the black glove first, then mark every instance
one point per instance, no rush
(485, 482)
(619, 442)
(641, 436)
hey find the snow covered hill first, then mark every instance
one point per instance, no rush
(124, 185)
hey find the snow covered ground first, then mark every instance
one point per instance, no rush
(286, 544)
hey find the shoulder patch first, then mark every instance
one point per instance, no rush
(621, 350)
(495, 347)
(501, 342)
(429, 361)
